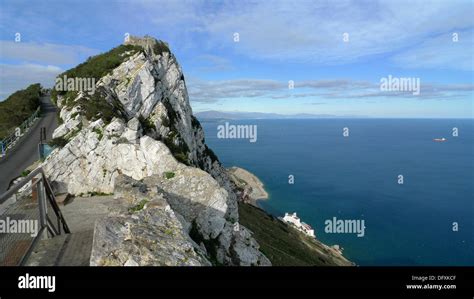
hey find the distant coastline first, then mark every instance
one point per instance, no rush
(236, 115)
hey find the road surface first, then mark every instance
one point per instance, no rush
(25, 152)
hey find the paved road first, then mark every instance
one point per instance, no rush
(25, 151)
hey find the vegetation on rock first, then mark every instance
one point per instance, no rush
(160, 47)
(146, 124)
(139, 206)
(96, 107)
(96, 67)
(282, 244)
(58, 142)
(169, 175)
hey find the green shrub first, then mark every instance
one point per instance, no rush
(54, 96)
(25, 172)
(139, 206)
(96, 106)
(100, 65)
(165, 121)
(182, 157)
(160, 47)
(58, 142)
(95, 67)
(98, 132)
(147, 124)
(58, 117)
(18, 107)
(169, 175)
(180, 152)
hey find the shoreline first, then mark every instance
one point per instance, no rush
(253, 190)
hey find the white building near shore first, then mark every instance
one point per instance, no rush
(301, 226)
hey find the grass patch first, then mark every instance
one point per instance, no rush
(147, 125)
(96, 67)
(98, 132)
(169, 175)
(25, 173)
(58, 142)
(160, 47)
(165, 121)
(139, 206)
(180, 151)
(58, 117)
(281, 244)
(97, 107)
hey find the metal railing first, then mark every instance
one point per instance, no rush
(9, 141)
(28, 202)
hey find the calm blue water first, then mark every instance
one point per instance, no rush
(356, 178)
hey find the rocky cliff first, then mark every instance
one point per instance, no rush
(136, 133)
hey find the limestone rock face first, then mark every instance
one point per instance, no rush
(71, 121)
(91, 161)
(195, 195)
(154, 138)
(143, 232)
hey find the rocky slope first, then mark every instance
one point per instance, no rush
(137, 133)
(250, 188)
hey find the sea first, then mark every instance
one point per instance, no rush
(415, 195)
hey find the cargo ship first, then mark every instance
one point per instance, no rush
(439, 139)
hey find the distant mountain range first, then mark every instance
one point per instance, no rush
(213, 114)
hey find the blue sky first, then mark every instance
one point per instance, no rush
(279, 41)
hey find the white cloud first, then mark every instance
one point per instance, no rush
(312, 31)
(15, 77)
(441, 52)
(214, 91)
(44, 53)
(24, 63)
(213, 63)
